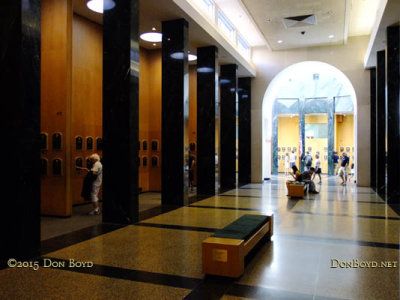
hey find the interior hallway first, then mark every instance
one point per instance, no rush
(160, 257)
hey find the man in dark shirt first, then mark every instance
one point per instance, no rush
(344, 171)
(335, 159)
(306, 178)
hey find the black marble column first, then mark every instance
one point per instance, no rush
(228, 86)
(373, 127)
(207, 99)
(20, 128)
(393, 110)
(381, 124)
(244, 130)
(120, 112)
(175, 112)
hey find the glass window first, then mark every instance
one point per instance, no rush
(207, 6)
(316, 131)
(226, 26)
(243, 47)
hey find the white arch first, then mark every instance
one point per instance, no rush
(273, 92)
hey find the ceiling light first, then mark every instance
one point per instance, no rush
(154, 37)
(331, 36)
(192, 57)
(154, 29)
(154, 44)
(99, 5)
(280, 42)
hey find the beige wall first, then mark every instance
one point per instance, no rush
(348, 59)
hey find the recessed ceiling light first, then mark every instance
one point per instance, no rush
(280, 42)
(154, 44)
(154, 29)
(154, 37)
(331, 36)
(99, 5)
(192, 57)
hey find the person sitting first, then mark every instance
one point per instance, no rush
(306, 178)
(296, 173)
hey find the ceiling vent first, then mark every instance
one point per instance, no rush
(300, 21)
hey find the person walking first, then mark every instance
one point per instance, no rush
(335, 159)
(344, 171)
(317, 168)
(307, 161)
(292, 159)
(286, 164)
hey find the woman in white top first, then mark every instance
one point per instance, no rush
(317, 168)
(97, 169)
(287, 164)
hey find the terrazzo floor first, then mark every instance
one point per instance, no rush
(160, 257)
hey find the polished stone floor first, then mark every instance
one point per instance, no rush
(160, 257)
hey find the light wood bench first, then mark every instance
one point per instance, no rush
(223, 254)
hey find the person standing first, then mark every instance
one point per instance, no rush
(292, 159)
(97, 171)
(307, 161)
(191, 171)
(335, 159)
(286, 164)
(317, 168)
(344, 171)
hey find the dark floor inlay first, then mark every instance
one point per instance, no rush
(225, 207)
(179, 227)
(347, 215)
(255, 292)
(75, 237)
(337, 241)
(212, 287)
(132, 275)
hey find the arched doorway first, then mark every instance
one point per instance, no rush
(308, 83)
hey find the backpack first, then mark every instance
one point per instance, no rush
(308, 161)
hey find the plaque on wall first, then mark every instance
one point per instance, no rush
(289, 149)
(326, 149)
(99, 143)
(192, 147)
(57, 141)
(78, 163)
(279, 149)
(352, 158)
(43, 166)
(317, 153)
(352, 149)
(154, 145)
(57, 167)
(279, 157)
(144, 145)
(283, 149)
(154, 161)
(341, 149)
(325, 157)
(89, 143)
(309, 149)
(78, 143)
(348, 149)
(144, 161)
(43, 141)
(294, 149)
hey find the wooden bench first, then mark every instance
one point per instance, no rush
(295, 189)
(225, 250)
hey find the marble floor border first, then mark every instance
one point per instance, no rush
(299, 212)
(277, 236)
(131, 274)
(310, 199)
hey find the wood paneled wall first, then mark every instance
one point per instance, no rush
(87, 94)
(56, 83)
(71, 103)
(150, 115)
